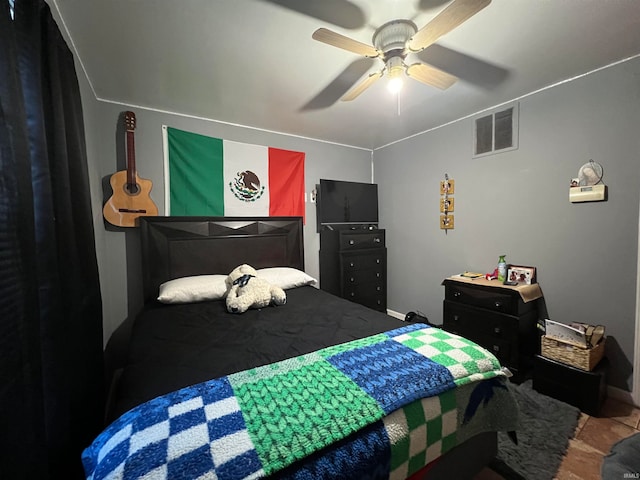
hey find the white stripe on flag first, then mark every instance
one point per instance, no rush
(243, 164)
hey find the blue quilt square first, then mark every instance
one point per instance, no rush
(393, 374)
(115, 457)
(191, 465)
(146, 459)
(241, 466)
(216, 390)
(151, 417)
(226, 425)
(187, 420)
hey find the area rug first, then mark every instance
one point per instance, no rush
(546, 425)
(623, 461)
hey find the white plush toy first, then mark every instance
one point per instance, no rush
(246, 290)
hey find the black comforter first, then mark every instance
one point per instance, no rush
(173, 346)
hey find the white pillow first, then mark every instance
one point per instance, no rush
(286, 277)
(193, 289)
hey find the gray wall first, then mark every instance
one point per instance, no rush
(118, 249)
(516, 203)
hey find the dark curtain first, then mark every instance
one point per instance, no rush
(51, 385)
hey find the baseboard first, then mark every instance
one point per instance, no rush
(398, 315)
(621, 395)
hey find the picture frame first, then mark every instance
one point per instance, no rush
(521, 274)
(447, 204)
(447, 187)
(446, 222)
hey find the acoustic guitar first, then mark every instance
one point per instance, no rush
(130, 198)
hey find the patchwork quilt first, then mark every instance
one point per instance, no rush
(396, 390)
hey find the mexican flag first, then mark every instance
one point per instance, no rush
(214, 177)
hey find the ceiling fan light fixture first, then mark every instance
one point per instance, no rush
(395, 69)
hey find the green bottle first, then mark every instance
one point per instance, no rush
(502, 268)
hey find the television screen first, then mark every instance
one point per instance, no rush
(347, 202)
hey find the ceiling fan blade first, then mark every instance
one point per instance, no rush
(454, 15)
(342, 13)
(470, 69)
(335, 39)
(431, 76)
(361, 87)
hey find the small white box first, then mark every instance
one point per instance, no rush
(589, 193)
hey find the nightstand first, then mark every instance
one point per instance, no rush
(501, 318)
(582, 389)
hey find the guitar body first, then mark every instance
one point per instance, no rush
(130, 198)
(127, 204)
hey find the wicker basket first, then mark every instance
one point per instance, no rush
(582, 358)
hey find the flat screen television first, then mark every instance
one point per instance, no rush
(341, 202)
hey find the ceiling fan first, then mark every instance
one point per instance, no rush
(395, 40)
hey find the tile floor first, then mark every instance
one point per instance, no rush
(593, 439)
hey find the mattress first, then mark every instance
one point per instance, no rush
(180, 353)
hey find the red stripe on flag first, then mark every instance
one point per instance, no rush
(286, 183)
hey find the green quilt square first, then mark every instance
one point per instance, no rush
(414, 414)
(434, 430)
(298, 412)
(448, 442)
(413, 343)
(399, 453)
(418, 461)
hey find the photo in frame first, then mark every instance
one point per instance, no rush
(446, 222)
(521, 274)
(447, 204)
(447, 187)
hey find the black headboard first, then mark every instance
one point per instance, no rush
(174, 247)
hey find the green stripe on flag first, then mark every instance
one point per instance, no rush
(195, 172)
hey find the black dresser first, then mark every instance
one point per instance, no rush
(500, 318)
(353, 265)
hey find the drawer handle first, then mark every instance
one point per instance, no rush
(351, 279)
(376, 240)
(377, 260)
(457, 294)
(497, 330)
(456, 318)
(352, 294)
(352, 264)
(379, 302)
(351, 242)
(378, 288)
(496, 348)
(498, 305)
(378, 274)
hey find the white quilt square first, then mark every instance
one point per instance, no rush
(417, 440)
(187, 441)
(184, 407)
(230, 446)
(152, 434)
(221, 408)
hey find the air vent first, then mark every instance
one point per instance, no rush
(496, 132)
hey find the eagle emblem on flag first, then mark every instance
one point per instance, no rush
(246, 186)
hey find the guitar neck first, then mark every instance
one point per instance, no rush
(131, 159)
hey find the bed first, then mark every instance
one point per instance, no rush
(317, 388)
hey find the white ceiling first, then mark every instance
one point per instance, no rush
(254, 63)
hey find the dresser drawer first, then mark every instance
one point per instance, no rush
(367, 275)
(489, 298)
(372, 295)
(361, 290)
(371, 259)
(466, 320)
(358, 240)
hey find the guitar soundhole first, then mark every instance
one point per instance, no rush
(131, 188)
